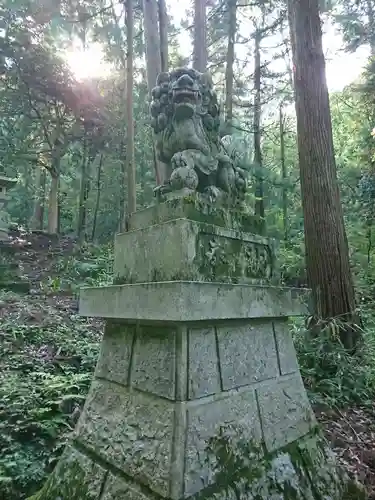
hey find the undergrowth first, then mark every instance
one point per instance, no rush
(47, 357)
(332, 376)
(89, 265)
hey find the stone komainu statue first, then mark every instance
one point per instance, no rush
(186, 120)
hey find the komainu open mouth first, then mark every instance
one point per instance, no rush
(185, 96)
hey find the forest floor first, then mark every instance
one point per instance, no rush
(351, 431)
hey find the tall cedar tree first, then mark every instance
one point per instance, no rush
(129, 110)
(232, 10)
(200, 36)
(153, 63)
(327, 255)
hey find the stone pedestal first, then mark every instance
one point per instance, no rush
(9, 269)
(5, 184)
(197, 391)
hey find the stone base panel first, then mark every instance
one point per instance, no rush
(303, 470)
(162, 445)
(186, 362)
(184, 301)
(186, 250)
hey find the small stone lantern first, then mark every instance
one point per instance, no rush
(5, 184)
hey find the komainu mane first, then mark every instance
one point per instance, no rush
(186, 120)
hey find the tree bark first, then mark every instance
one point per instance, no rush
(284, 173)
(98, 191)
(258, 160)
(153, 64)
(232, 7)
(327, 253)
(200, 36)
(371, 25)
(163, 28)
(83, 194)
(40, 193)
(130, 166)
(53, 206)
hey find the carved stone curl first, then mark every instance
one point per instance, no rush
(186, 120)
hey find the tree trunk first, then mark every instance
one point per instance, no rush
(232, 6)
(371, 25)
(163, 27)
(130, 166)
(53, 206)
(83, 195)
(200, 35)
(327, 254)
(97, 203)
(259, 188)
(123, 197)
(283, 173)
(153, 64)
(40, 193)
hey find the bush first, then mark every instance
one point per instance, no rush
(331, 375)
(45, 373)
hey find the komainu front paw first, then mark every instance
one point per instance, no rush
(214, 194)
(184, 177)
(181, 159)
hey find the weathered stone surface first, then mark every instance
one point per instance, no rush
(117, 488)
(204, 422)
(285, 347)
(247, 353)
(191, 301)
(285, 411)
(193, 207)
(131, 430)
(204, 376)
(187, 250)
(281, 475)
(321, 467)
(75, 476)
(154, 358)
(115, 353)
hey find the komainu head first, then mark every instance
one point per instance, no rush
(186, 121)
(181, 94)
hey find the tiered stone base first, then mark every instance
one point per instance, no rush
(197, 392)
(197, 411)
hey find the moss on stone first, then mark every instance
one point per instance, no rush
(195, 208)
(75, 477)
(71, 486)
(354, 491)
(302, 470)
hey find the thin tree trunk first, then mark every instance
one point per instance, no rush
(327, 253)
(283, 173)
(200, 36)
(123, 197)
(82, 195)
(97, 203)
(40, 193)
(258, 161)
(163, 28)
(371, 25)
(53, 206)
(232, 6)
(153, 64)
(130, 166)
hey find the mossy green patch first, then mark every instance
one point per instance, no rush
(75, 477)
(302, 470)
